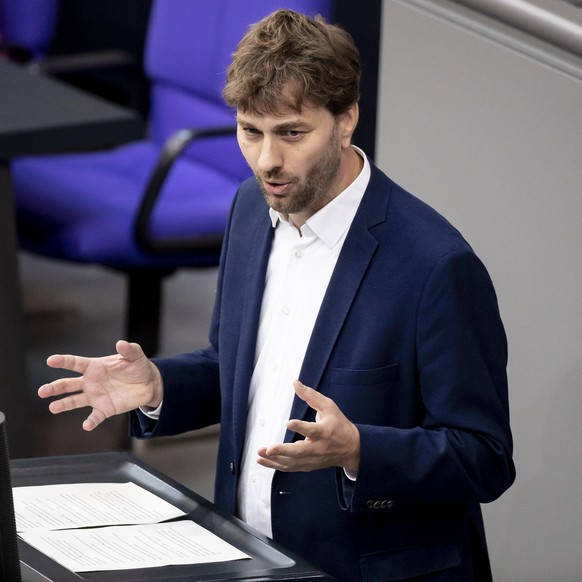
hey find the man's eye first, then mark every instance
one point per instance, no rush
(250, 131)
(293, 133)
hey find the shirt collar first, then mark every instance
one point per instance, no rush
(331, 222)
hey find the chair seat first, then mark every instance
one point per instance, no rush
(97, 226)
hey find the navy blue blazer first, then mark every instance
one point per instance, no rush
(410, 345)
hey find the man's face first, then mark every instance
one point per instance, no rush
(297, 158)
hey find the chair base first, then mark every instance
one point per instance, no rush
(144, 306)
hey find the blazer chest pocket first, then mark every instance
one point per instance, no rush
(365, 396)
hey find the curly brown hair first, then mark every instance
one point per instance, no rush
(289, 59)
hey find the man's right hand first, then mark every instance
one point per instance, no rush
(109, 385)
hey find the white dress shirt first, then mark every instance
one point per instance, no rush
(298, 274)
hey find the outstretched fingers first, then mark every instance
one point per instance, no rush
(68, 362)
(94, 420)
(283, 457)
(59, 387)
(310, 430)
(77, 400)
(71, 386)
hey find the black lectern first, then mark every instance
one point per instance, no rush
(269, 562)
(9, 564)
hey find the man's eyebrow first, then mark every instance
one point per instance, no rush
(284, 126)
(288, 125)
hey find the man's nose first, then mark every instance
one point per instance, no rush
(270, 156)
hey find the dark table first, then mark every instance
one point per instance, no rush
(269, 562)
(39, 115)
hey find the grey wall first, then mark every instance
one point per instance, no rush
(485, 124)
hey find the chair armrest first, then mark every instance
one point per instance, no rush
(171, 151)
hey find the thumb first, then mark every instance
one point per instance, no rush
(129, 351)
(312, 397)
(301, 389)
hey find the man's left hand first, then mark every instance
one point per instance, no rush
(331, 441)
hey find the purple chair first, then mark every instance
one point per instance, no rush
(153, 206)
(27, 27)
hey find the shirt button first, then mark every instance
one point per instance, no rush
(253, 479)
(285, 310)
(298, 254)
(262, 422)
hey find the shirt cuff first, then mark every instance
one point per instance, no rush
(351, 475)
(153, 414)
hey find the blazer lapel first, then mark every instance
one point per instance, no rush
(355, 257)
(252, 298)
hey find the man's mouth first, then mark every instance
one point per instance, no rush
(276, 188)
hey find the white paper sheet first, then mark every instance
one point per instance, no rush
(76, 505)
(132, 546)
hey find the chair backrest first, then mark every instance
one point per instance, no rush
(188, 50)
(29, 24)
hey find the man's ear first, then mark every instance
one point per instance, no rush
(348, 123)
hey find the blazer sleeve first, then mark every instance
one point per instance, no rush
(462, 449)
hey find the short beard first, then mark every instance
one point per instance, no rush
(314, 192)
